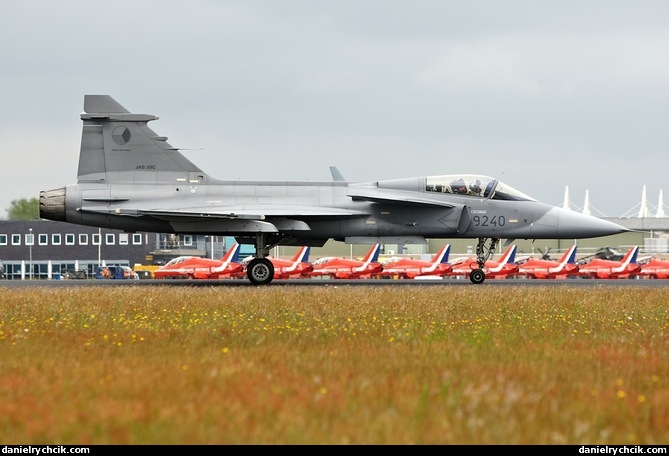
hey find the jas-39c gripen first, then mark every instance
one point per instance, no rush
(132, 179)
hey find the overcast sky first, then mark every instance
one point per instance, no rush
(540, 94)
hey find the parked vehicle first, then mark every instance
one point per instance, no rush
(114, 272)
(145, 271)
(80, 274)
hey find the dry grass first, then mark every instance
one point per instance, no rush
(334, 365)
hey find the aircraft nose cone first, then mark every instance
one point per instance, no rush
(577, 225)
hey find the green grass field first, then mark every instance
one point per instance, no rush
(334, 365)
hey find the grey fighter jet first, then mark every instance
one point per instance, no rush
(132, 179)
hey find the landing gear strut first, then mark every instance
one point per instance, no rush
(260, 270)
(483, 254)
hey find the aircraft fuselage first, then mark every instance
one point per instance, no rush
(427, 215)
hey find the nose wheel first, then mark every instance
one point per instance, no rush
(477, 276)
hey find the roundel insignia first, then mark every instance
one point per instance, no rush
(121, 135)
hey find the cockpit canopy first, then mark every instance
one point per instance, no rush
(177, 260)
(474, 185)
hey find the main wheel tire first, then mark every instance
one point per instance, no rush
(477, 276)
(260, 271)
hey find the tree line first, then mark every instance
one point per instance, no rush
(23, 209)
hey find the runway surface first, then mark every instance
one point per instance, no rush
(581, 283)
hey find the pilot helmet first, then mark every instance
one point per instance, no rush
(475, 186)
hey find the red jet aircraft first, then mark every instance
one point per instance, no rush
(498, 269)
(549, 269)
(407, 268)
(192, 267)
(297, 267)
(342, 268)
(610, 269)
(655, 269)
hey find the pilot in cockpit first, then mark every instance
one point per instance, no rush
(475, 188)
(458, 186)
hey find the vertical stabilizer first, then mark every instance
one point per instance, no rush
(103, 103)
(118, 146)
(302, 256)
(440, 258)
(629, 258)
(372, 256)
(230, 257)
(336, 175)
(508, 257)
(569, 257)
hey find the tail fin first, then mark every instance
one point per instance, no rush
(569, 257)
(305, 257)
(372, 256)
(336, 175)
(232, 255)
(118, 146)
(442, 255)
(508, 257)
(629, 258)
(302, 256)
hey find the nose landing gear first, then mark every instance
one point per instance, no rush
(483, 254)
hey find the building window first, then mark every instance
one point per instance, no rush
(16, 239)
(30, 239)
(188, 240)
(43, 239)
(95, 239)
(137, 239)
(109, 239)
(55, 239)
(123, 239)
(3, 239)
(69, 239)
(83, 239)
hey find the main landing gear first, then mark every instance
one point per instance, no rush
(260, 270)
(483, 254)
